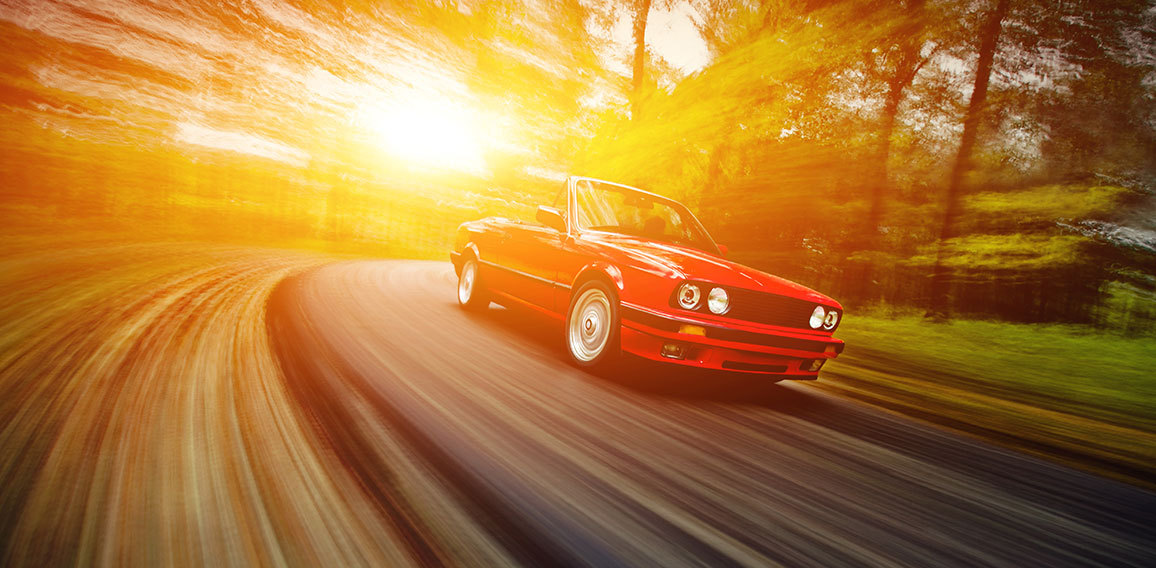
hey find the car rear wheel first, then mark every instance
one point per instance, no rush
(471, 294)
(592, 326)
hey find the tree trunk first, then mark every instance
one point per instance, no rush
(989, 38)
(903, 75)
(641, 13)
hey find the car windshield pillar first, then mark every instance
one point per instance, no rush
(613, 208)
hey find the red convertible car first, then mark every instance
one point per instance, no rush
(629, 271)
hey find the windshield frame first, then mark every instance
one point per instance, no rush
(684, 212)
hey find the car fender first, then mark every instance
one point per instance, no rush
(605, 269)
(458, 257)
(472, 247)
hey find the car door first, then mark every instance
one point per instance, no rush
(531, 258)
(530, 255)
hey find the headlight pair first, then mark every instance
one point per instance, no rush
(690, 298)
(823, 318)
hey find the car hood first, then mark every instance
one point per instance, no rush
(682, 262)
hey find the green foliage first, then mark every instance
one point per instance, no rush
(816, 142)
(788, 149)
(1048, 203)
(1071, 393)
(1127, 307)
(1022, 253)
(1073, 369)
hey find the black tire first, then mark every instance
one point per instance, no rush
(592, 328)
(472, 293)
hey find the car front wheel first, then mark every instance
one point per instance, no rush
(592, 326)
(471, 294)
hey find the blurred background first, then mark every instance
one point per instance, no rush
(180, 383)
(992, 159)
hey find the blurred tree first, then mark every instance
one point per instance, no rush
(817, 141)
(989, 38)
(640, 16)
(896, 63)
(1098, 114)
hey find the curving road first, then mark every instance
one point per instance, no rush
(560, 466)
(353, 415)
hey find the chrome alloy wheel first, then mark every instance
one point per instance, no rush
(467, 282)
(589, 327)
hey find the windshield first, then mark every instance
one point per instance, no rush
(616, 209)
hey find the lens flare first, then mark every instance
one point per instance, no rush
(427, 133)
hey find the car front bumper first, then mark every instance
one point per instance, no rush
(660, 336)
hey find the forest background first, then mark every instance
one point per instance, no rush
(982, 158)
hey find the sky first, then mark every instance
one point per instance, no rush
(669, 33)
(266, 79)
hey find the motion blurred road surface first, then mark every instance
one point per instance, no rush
(268, 412)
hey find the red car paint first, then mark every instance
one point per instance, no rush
(538, 267)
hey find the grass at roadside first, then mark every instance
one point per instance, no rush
(1063, 392)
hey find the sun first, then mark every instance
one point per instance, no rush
(429, 133)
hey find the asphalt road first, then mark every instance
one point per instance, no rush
(353, 415)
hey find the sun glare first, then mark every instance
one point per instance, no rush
(428, 133)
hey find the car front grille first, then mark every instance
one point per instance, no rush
(771, 309)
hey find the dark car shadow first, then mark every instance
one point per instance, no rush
(656, 379)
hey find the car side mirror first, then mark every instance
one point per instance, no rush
(551, 217)
(723, 250)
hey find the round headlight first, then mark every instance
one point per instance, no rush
(831, 320)
(689, 296)
(817, 317)
(718, 301)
